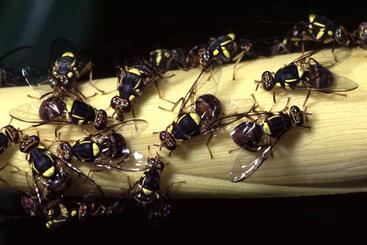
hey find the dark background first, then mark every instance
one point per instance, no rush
(110, 29)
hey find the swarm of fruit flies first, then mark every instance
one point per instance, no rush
(200, 113)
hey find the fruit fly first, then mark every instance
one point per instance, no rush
(164, 60)
(146, 192)
(66, 66)
(262, 137)
(305, 73)
(224, 49)
(317, 29)
(11, 64)
(193, 118)
(50, 179)
(56, 110)
(360, 35)
(132, 82)
(8, 135)
(200, 117)
(105, 150)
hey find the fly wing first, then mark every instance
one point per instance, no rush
(242, 170)
(37, 79)
(27, 113)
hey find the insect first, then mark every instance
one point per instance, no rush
(11, 64)
(66, 66)
(132, 82)
(225, 49)
(195, 118)
(317, 29)
(9, 135)
(56, 110)
(262, 137)
(50, 179)
(163, 60)
(360, 35)
(305, 73)
(146, 192)
(104, 150)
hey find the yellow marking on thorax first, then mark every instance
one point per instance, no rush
(231, 36)
(135, 71)
(68, 54)
(226, 53)
(320, 34)
(311, 17)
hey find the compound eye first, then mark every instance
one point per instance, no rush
(267, 80)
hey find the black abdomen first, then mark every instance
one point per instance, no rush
(84, 151)
(81, 113)
(41, 159)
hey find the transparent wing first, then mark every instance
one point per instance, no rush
(338, 84)
(235, 110)
(35, 76)
(242, 170)
(134, 162)
(129, 128)
(329, 58)
(206, 83)
(78, 176)
(27, 113)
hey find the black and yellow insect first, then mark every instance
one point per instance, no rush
(146, 192)
(103, 150)
(132, 82)
(305, 73)
(49, 177)
(66, 66)
(262, 137)
(225, 49)
(59, 110)
(193, 118)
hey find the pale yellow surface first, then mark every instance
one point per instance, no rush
(330, 158)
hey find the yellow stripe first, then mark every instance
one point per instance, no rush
(68, 54)
(49, 172)
(266, 128)
(311, 17)
(231, 36)
(226, 53)
(195, 117)
(135, 71)
(95, 150)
